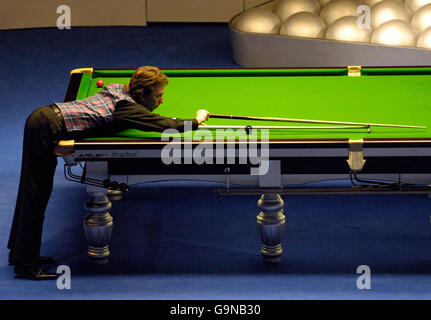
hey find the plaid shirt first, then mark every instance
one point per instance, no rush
(94, 111)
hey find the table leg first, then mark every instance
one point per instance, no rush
(271, 224)
(115, 195)
(98, 225)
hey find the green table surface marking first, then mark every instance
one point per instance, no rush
(380, 95)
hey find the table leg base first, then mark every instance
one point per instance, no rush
(98, 261)
(98, 225)
(115, 195)
(98, 255)
(271, 254)
(271, 223)
(272, 260)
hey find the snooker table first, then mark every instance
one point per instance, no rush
(274, 158)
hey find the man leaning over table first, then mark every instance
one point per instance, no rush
(115, 108)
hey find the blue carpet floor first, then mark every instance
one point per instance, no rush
(179, 241)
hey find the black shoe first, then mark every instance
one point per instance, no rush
(32, 272)
(42, 260)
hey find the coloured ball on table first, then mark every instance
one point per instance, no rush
(286, 8)
(422, 18)
(100, 83)
(258, 20)
(337, 9)
(395, 33)
(424, 40)
(415, 5)
(304, 24)
(388, 10)
(346, 29)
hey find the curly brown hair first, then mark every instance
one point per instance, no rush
(144, 80)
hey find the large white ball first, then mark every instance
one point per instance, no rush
(304, 24)
(415, 5)
(388, 10)
(346, 29)
(424, 40)
(422, 18)
(371, 3)
(395, 33)
(323, 2)
(259, 20)
(337, 9)
(286, 8)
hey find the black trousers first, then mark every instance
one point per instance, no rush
(43, 129)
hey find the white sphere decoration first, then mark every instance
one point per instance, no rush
(424, 40)
(346, 29)
(421, 20)
(258, 20)
(371, 3)
(395, 33)
(415, 5)
(286, 8)
(388, 10)
(337, 9)
(304, 24)
(323, 2)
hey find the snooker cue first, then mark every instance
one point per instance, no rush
(223, 116)
(280, 127)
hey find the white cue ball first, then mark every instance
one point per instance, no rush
(414, 5)
(304, 24)
(259, 20)
(388, 10)
(424, 40)
(286, 8)
(346, 29)
(395, 33)
(337, 9)
(422, 18)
